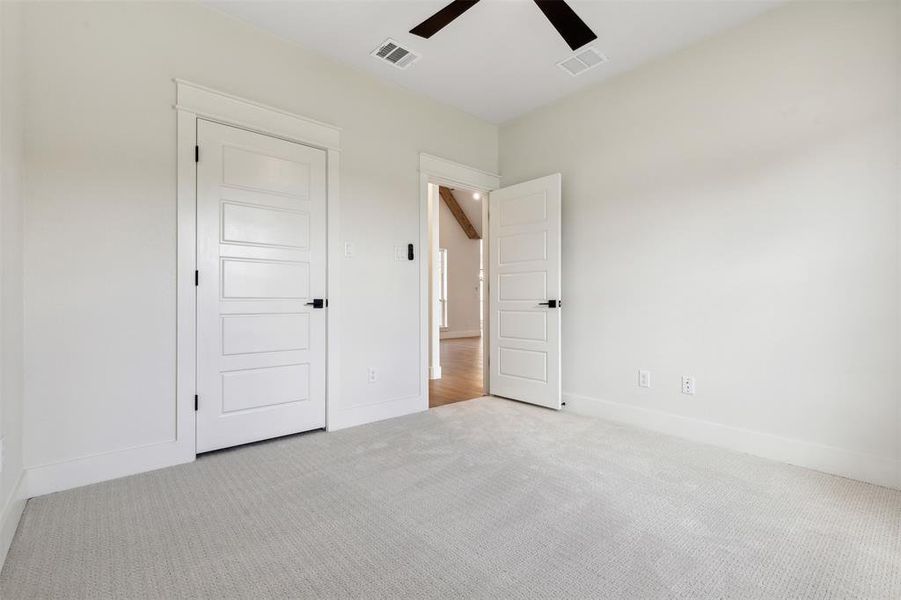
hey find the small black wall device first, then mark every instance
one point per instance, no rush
(409, 251)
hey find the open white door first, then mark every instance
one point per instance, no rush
(524, 295)
(261, 256)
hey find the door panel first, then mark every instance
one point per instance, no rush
(524, 336)
(523, 364)
(246, 334)
(522, 210)
(251, 168)
(265, 386)
(522, 286)
(523, 247)
(523, 325)
(261, 254)
(265, 226)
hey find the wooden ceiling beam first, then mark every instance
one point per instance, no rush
(458, 213)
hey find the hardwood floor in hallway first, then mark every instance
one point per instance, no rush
(461, 367)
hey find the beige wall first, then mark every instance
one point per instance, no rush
(731, 212)
(11, 151)
(100, 218)
(462, 275)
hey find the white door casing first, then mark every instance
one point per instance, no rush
(525, 264)
(261, 257)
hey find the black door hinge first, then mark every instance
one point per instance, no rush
(197, 154)
(196, 278)
(195, 402)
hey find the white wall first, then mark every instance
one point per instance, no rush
(462, 276)
(11, 149)
(100, 214)
(731, 212)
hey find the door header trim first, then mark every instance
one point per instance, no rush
(201, 100)
(447, 171)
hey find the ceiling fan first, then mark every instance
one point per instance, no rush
(564, 19)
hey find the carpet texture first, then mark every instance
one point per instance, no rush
(480, 499)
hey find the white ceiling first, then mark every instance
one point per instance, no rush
(498, 60)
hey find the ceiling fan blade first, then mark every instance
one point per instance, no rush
(567, 23)
(442, 18)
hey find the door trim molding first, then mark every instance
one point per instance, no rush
(193, 102)
(454, 173)
(441, 171)
(232, 110)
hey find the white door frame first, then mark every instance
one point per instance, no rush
(195, 101)
(440, 171)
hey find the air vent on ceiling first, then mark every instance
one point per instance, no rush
(581, 61)
(394, 53)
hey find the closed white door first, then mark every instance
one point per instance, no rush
(524, 300)
(261, 257)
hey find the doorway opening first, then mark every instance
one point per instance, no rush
(521, 262)
(456, 269)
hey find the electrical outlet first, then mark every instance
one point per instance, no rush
(688, 385)
(372, 375)
(400, 253)
(348, 249)
(644, 379)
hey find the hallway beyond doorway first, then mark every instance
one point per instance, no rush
(461, 379)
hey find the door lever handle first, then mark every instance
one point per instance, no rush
(318, 303)
(551, 303)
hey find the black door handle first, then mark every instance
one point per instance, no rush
(551, 303)
(318, 303)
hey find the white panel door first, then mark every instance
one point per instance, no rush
(261, 258)
(524, 295)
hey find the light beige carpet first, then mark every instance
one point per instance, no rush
(482, 499)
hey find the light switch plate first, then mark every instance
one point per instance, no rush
(644, 379)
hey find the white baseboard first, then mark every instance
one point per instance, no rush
(10, 513)
(435, 372)
(55, 477)
(871, 468)
(447, 335)
(361, 414)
